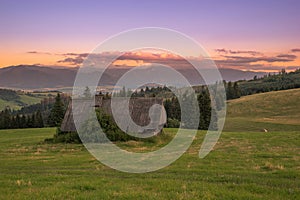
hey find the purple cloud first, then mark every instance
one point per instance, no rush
(295, 50)
(225, 51)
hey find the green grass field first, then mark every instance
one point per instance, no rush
(243, 165)
(275, 111)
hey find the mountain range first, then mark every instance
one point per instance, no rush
(35, 77)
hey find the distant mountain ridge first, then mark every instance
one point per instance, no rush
(36, 77)
(41, 77)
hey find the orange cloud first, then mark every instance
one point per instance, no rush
(129, 63)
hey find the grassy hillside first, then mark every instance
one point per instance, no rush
(280, 81)
(275, 111)
(24, 100)
(17, 99)
(242, 166)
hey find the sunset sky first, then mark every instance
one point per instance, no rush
(248, 35)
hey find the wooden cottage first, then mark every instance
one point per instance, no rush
(139, 109)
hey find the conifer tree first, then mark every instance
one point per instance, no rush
(29, 122)
(57, 112)
(7, 118)
(39, 119)
(23, 123)
(18, 121)
(230, 91)
(236, 89)
(205, 109)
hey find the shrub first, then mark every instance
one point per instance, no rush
(64, 137)
(173, 123)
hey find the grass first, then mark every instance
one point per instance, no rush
(31, 99)
(4, 104)
(24, 100)
(243, 165)
(275, 111)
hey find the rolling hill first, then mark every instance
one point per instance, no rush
(274, 82)
(17, 99)
(274, 111)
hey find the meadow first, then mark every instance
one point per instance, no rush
(274, 111)
(243, 165)
(246, 163)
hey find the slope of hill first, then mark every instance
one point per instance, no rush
(40, 77)
(274, 111)
(17, 99)
(267, 83)
(24, 100)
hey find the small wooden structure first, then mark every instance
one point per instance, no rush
(138, 109)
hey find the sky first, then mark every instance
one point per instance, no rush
(257, 35)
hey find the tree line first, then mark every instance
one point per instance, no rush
(48, 113)
(232, 90)
(271, 82)
(8, 120)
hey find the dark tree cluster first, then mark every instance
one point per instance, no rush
(232, 90)
(173, 110)
(9, 121)
(49, 112)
